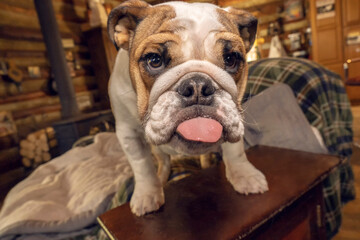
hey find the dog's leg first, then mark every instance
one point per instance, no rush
(205, 160)
(148, 193)
(243, 176)
(163, 160)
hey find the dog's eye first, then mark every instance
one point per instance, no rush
(154, 60)
(231, 61)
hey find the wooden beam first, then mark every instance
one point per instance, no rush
(31, 34)
(63, 10)
(28, 86)
(82, 3)
(10, 18)
(29, 124)
(29, 61)
(38, 61)
(35, 111)
(245, 3)
(7, 44)
(26, 54)
(22, 97)
(37, 102)
(86, 70)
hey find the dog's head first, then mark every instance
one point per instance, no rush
(188, 68)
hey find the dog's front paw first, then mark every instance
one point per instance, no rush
(143, 202)
(248, 180)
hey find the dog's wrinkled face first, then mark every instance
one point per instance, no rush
(188, 67)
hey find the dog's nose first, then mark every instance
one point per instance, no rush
(196, 90)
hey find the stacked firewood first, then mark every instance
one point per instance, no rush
(36, 148)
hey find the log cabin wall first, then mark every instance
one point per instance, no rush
(27, 96)
(21, 45)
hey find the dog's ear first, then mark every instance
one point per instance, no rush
(247, 25)
(123, 20)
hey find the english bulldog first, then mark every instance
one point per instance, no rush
(176, 88)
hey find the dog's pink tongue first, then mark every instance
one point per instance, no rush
(201, 130)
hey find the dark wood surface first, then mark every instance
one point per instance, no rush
(205, 206)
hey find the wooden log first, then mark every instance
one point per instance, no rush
(27, 153)
(37, 144)
(11, 18)
(40, 61)
(44, 73)
(38, 159)
(23, 45)
(33, 137)
(50, 100)
(26, 144)
(9, 159)
(25, 61)
(86, 70)
(46, 156)
(82, 3)
(37, 110)
(26, 125)
(81, 84)
(45, 147)
(38, 150)
(65, 11)
(21, 33)
(26, 54)
(40, 146)
(43, 137)
(22, 97)
(50, 132)
(30, 34)
(18, 55)
(9, 44)
(19, 114)
(53, 143)
(243, 4)
(26, 162)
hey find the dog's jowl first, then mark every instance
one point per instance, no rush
(176, 88)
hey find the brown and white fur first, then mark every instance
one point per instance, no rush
(192, 40)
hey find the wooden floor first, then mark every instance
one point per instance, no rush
(350, 229)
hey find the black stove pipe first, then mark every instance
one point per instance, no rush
(55, 51)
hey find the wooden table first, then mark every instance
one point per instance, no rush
(205, 206)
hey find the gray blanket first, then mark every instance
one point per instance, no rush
(274, 118)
